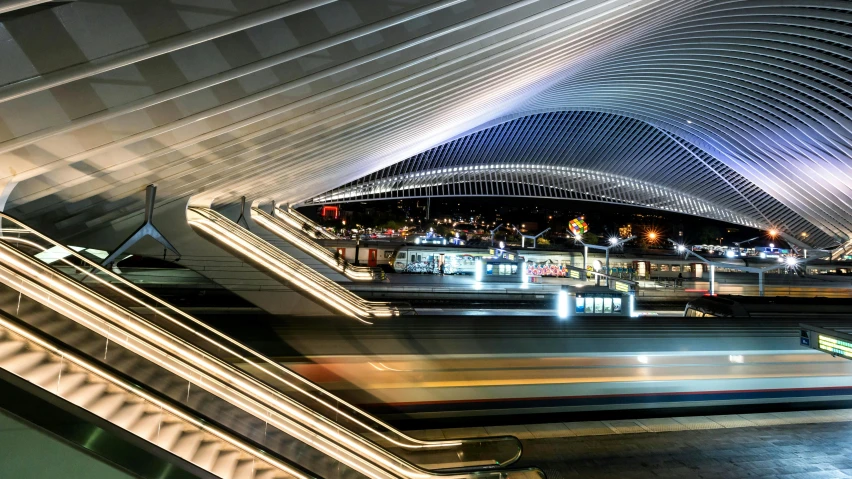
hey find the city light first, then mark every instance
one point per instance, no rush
(652, 236)
(773, 232)
(613, 240)
(681, 248)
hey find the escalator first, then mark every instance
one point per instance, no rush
(300, 239)
(82, 333)
(245, 244)
(45, 364)
(298, 220)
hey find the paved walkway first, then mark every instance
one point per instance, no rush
(790, 445)
(652, 425)
(803, 451)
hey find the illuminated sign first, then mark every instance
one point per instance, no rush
(578, 226)
(828, 341)
(575, 274)
(622, 286)
(835, 346)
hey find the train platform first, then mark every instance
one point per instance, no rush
(451, 288)
(792, 445)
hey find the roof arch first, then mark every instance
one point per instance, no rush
(585, 155)
(288, 99)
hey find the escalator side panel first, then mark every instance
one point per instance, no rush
(208, 407)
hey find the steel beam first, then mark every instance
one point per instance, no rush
(12, 5)
(147, 229)
(162, 47)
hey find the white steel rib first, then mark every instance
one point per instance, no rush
(755, 92)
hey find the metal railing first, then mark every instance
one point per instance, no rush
(298, 219)
(284, 267)
(55, 369)
(300, 239)
(233, 372)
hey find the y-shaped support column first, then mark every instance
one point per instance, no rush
(242, 216)
(147, 229)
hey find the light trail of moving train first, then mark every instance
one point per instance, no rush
(462, 367)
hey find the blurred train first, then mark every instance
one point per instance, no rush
(731, 306)
(425, 258)
(466, 367)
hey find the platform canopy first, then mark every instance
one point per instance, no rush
(737, 110)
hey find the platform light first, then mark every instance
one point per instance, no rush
(681, 248)
(477, 270)
(791, 261)
(562, 304)
(502, 245)
(730, 253)
(773, 232)
(613, 240)
(736, 358)
(631, 305)
(642, 359)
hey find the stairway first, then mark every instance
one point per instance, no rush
(186, 370)
(298, 238)
(245, 244)
(71, 377)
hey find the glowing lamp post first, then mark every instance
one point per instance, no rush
(614, 242)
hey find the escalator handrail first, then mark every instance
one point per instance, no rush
(410, 442)
(117, 379)
(211, 216)
(304, 219)
(385, 459)
(314, 249)
(230, 380)
(278, 255)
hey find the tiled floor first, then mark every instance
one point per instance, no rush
(790, 445)
(792, 451)
(637, 426)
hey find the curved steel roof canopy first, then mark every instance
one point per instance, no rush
(581, 155)
(742, 106)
